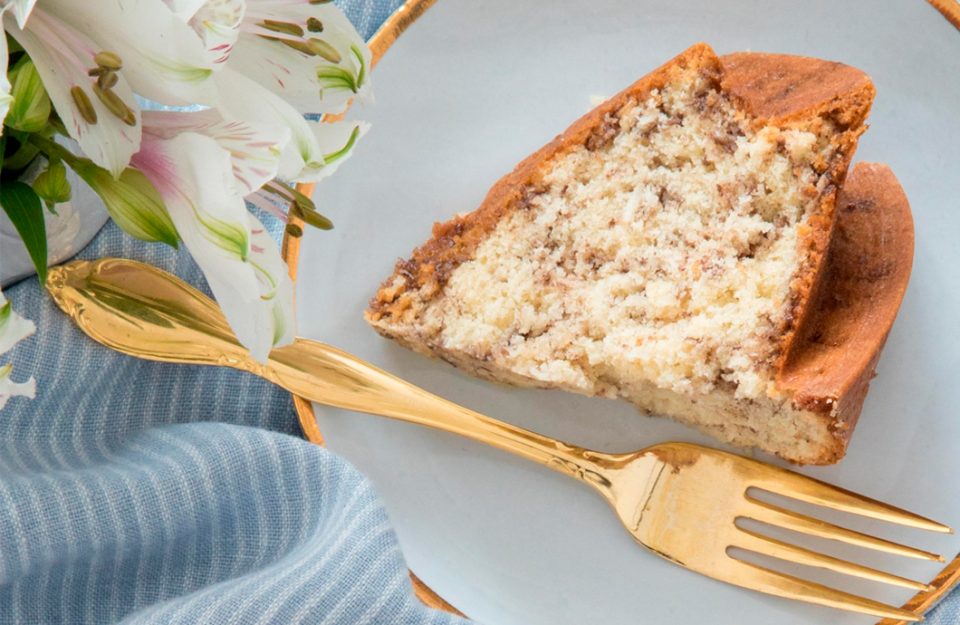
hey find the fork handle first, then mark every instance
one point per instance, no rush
(330, 376)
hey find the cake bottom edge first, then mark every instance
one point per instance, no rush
(774, 426)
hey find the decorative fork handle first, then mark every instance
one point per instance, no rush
(330, 376)
(143, 311)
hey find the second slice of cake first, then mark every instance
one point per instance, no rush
(666, 249)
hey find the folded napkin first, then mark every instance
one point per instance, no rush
(191, 523)
(138, 492)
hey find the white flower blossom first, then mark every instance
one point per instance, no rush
(13, 328)
(277, 60)
(202, 167)
(149, 50)
(21, 9)
(307, 53)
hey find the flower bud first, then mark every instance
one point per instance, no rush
(52, 184)
(132, 202)
(30, 108)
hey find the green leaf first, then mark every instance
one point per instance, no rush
(23, 207)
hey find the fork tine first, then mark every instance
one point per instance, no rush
(756, 577)
(788, 519)
(803, 488)
(768, 546)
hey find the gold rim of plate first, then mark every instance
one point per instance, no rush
(386, 35)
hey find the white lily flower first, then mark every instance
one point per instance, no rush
(218, 23)
(163, 59)
(287, 58)
(134, 45)
(21, 9)
(62, 56)
(13, 328)
(275, 282)
(307, 53)
(335, 141)
(255, 149)
(270, 203)
(195, 177)
(185, 9)
(9, 388)
(315, 150)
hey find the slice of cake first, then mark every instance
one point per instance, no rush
(667, 249)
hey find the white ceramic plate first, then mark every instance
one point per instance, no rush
(467, 92)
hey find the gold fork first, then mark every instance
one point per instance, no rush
(679, 500)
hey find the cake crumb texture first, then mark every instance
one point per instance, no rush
(664, 251)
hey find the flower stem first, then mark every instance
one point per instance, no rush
(52, 149)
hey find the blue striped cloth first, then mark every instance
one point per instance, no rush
(136, 492)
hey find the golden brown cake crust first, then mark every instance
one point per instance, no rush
(835, 355)
(781, 89)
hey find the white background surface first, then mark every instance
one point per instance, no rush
(466, 93)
